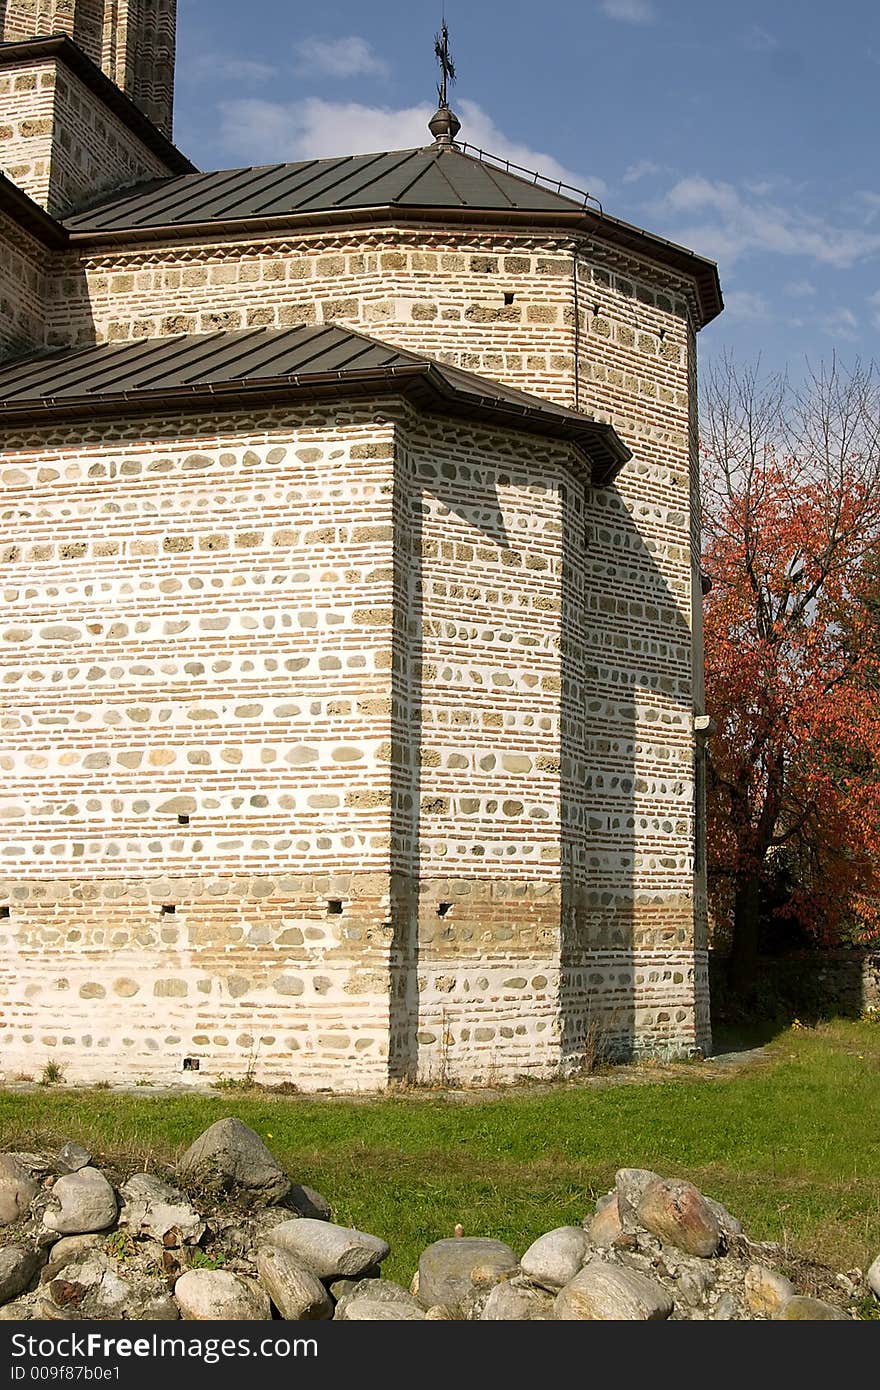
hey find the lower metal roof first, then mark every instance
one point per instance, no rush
(218, 370)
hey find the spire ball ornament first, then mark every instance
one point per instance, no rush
(444, 125)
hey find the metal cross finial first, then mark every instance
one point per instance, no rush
(447, 67)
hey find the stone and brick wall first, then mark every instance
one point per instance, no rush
(25, 270)
(132, 40)
(366, 656)
(61, 144)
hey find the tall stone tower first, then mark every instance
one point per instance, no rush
(132, 40)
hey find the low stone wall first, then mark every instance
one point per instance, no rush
(812, 982)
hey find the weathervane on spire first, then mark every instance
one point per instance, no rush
(444, 124)
(447, 67)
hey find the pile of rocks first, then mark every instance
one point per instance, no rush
(238, 1240)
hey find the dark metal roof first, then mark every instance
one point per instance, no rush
(60, 46)
(426, 178)
(29, 215)
(434, 184)
(271, 365)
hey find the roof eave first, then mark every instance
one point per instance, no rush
(29, 215)
(703, 272)
(423, 382)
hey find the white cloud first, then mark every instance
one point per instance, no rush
(348, 57)
(874, 302)
(267, 131)
(840, 323)
(746, 305)
(759, 40)
(643, 169)
(209, 66)
(630, 11)
(870, 205)
(800, 289)
(719, 220)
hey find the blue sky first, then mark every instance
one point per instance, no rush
(747, 131)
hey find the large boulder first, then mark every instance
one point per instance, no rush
(450, 1270)
(216, 1295)
(18, 1269)
(330, 1251)
(80, 1202)
(766, 1291)
(155, 1209)
(370, 1310)
(229, 1155)
(630, 1184)
(555, 1258)
(516, 1302)
(72, 1157)
(676, 1213)
(17, 1189)
(376, 1291)
(297, 1293)
(605, 1226)
(605, 1292)
(803, 1309)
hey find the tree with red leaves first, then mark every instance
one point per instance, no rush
(791, 524)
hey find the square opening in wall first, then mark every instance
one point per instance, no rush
(168, 909)
(334, 907)
(443, 909)
(191, 1064)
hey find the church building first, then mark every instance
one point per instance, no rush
(351, 652)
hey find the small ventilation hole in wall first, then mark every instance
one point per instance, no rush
(168, 908)
(334, 907)
(443, 909)
(191, 1064)
(183, 820)
(509, 296)
(4, 911)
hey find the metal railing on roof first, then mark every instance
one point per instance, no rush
(540, 180)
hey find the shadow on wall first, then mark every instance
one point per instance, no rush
(623, 910)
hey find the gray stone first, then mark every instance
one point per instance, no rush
(368, 1310)
(67, 1249)
(729, 1224)
(155, 1209)
(18, 1268)
(604, 1292)
(296, 1292)
(80, 1202)
(206, 1295)
(92, 1288)
(555, 1258)
(803, 1309)
(516, 1302)
(229, 1154)
(73, 1157)
(695, 1284)
(308, 1202)
(450, 1270)
(727, 1309)
(17, 1189)
(872, 1278)
(676, 1213)
(438, 1312)
(766, 1291)
(331, 1252)
(631, 1184)
(604, 1227)
(377, 1291)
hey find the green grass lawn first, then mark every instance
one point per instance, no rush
(791, 1144)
